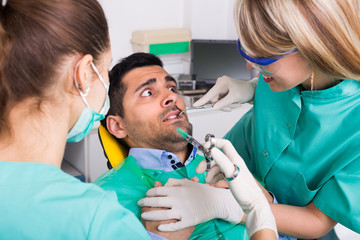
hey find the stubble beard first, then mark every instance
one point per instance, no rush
(149, 135)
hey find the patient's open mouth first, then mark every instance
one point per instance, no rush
(172, 116)
(175, 114)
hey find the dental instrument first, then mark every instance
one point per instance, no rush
(198, 145)
(181, 112)
(210, 137)
(200, 107)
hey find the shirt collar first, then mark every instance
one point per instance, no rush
(159, 159)
(343, 88)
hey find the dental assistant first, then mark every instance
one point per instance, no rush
(54, 60)
(302, 137)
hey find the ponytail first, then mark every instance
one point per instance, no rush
(5, 46)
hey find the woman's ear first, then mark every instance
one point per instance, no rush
(83, 72)
(115, 126)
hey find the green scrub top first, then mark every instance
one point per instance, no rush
(305, 146)
(131, 183)
(40, 201)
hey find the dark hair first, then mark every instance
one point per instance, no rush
(117, 87)
(36, 36)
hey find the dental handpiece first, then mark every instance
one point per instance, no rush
(195, 143)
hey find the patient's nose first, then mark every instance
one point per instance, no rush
(170, 98)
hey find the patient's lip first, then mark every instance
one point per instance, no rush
(172, 115)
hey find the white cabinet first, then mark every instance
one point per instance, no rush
(217, 122)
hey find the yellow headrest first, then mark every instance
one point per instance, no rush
(113, 150)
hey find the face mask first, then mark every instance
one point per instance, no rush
(88, 116)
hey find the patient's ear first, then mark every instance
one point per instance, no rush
(115, 126)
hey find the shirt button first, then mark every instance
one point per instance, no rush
(266, 154)
(288, 125)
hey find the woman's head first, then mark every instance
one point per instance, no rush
(37, 36)
(325, 33)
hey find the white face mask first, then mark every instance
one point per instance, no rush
(88, 116)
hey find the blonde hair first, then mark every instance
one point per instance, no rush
(326, 33)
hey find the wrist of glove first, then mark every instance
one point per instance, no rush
(229, 90)
(254, 204)
(244, 187)
(191, 203)
(260, 217)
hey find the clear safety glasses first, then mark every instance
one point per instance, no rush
(267, 66)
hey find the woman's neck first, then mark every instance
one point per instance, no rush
(36, 136)
(319, 81)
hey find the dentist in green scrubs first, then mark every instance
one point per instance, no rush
(54, 60)
(302, 136)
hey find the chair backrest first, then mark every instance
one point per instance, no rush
(114, 151)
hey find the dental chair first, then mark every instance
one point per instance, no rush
(114, 151)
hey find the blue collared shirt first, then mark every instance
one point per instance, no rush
(154, 236)
(159, 159)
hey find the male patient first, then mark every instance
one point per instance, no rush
(144, 114)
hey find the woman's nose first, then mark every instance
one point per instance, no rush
(249, 66)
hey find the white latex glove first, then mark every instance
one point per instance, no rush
(191, 203)
(244, 187)
(229, 90)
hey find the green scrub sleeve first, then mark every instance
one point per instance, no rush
(339, 197)
(112, 221)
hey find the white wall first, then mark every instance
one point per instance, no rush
(124, 17)
(210, 19)
(207, 19)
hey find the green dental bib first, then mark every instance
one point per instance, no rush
(131, 183)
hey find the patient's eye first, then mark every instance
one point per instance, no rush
(173, 89)
(146, 93)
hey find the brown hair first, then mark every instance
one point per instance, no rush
(36, 35)
(326, 33)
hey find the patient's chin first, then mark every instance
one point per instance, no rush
(185, 126)
(176, 146)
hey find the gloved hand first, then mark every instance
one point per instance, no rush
(244, 187)
(228, 90)
(190, 202)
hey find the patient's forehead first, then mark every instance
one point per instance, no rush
(137, 76)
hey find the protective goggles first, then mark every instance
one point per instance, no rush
(267, 66)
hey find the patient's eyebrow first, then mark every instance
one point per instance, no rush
(148, 82)
(169, 78)
(153, 80)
